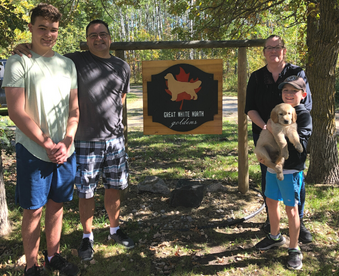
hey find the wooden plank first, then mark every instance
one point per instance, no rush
(243, 176)
(147, 45)
(150, 68)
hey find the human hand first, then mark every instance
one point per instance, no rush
(23, 48)
(50, 149)
(59, 154)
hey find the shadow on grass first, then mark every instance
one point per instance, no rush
(205, 248)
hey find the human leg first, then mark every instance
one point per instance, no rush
(274, 238)
(293, 225)
(89, 167)
(53, 226)
(86, 210)
(263, 169)
(32, 189)
(274, 214)
(298, 185)
(62, 188)
(301, 204)
(294, 253)
(30, 232)
(304, 236)
(112, 205)
(115, 178)
(89, 160)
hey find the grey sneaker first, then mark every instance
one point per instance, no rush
(121, 238)
(85, 251)
(268, 243)
(61, 264)
(294, 259)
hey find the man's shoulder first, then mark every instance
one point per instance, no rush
(76, 55)
(292, 69)
(118, 62)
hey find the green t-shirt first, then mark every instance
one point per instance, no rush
(47, 82)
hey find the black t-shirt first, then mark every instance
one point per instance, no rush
(101, 83)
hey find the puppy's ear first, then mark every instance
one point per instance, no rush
(274, 115)
(294, 115)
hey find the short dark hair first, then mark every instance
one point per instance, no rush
(96, 21)
(47, 11)
(281, 41)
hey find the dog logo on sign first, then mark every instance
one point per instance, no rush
(181, 88)
(182, 97)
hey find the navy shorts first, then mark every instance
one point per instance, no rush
(96, 159)
(38, 180)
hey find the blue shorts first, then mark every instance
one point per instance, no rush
(38, 180)
(287, 190)
(101, 158)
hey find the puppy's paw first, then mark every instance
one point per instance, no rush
(285, 154)
(280, 176)
(299, 147)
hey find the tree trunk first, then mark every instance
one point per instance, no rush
(323, 47)
(5, 226)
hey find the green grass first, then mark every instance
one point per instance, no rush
(211, 251)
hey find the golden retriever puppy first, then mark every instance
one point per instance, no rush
(271, 149)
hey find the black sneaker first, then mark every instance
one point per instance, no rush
(121, 238)
(60, 263)
(294, 259)
(304, 235)
(85, 251)
(266, 227)
(33, 271)
(268, 243)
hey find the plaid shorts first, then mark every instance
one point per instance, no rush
(101, 158)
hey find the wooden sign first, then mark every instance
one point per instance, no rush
(182, 97)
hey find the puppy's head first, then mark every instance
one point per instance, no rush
(283, 114)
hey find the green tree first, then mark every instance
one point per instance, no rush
(11, 20)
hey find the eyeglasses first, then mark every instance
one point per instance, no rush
(95, 35)
(278, 48)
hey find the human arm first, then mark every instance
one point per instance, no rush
(255, 117)
(308, 100)
(123, 97)
(23, 48)
(60, 153)
(15, 97)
